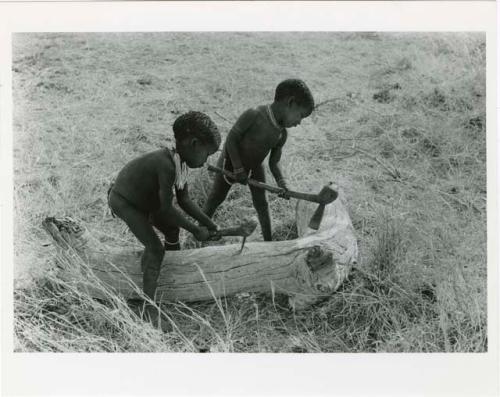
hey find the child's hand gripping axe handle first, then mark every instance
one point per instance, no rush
(324, 197)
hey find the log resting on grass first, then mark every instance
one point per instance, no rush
(307, 269)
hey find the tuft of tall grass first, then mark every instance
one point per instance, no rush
(389, 250)
(61, 314)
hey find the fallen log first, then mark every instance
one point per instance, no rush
(306, 269)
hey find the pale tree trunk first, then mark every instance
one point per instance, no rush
(306, 269)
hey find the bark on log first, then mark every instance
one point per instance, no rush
(306, 269)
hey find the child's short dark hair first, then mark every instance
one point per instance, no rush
(197, 125)
(298, 89)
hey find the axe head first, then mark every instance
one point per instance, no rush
(317, 217)
(326, 196)
(247, 227)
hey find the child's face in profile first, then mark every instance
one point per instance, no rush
(195, 153)
(294, 114)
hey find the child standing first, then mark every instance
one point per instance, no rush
(257, 132)
(143, 191)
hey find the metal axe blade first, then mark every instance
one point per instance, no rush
(326, 195)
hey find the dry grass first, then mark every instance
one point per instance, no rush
(400, 126)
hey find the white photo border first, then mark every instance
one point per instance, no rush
(248, 374)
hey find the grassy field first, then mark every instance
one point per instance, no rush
(399, 126)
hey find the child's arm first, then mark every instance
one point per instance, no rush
(166, 181)
(233, 139)
(274, 159)
(192, 209)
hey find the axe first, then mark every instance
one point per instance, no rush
(245, 229)
(324, 197)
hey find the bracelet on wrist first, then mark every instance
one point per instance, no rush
(238, 170)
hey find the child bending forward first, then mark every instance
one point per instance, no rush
(257, 132)
(143, 190)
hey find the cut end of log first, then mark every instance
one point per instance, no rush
(318, 258)
(66, 231)
(321, 274)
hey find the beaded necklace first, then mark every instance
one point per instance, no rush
(181, 171)
(271, 116)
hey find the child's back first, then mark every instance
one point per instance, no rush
(138, 181)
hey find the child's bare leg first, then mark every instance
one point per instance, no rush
(218, 193)
(172, 242)
(171, 232)
(260, 203)
(141, 227)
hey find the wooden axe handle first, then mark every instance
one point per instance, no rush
(273, 189)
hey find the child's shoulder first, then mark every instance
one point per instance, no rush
(256, 110)
(251, 114)
(161, 157)
(163, 163)
(164, 155)
(250, 111)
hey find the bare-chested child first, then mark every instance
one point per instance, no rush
(143, 191)
(257, 132)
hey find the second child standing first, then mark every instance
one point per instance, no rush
(258, 132)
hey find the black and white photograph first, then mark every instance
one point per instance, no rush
(309, 192)
(250, 192)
